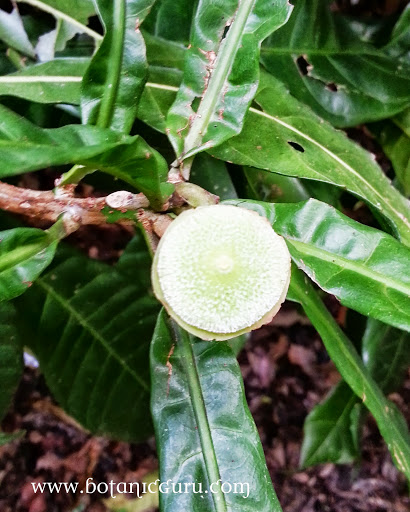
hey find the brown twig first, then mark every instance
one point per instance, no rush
(47, 206)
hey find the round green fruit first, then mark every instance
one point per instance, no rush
(221, 271)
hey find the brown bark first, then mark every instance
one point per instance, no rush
(46, 206)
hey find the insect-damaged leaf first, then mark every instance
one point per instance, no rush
(327, 65)
(286, 137)
(221, 71)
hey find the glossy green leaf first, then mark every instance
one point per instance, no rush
(329, 433)
(325, 64)
(288, 138)
(115, 78)
(11, 356)
(204, 430)
(57, 81)
(171, 19)
(25, 147)
(386, 355)
(277, 188)
(158, 96)
(366, 269)
(396, 145)
(90, 326)
(212, 175)
(24, 254)
(391, 423)
(221, 71)
(73, 12)
(12, 32)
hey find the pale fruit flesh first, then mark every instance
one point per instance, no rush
(221, 271)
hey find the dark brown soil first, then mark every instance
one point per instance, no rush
(286, 371)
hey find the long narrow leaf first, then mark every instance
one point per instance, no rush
(114, 81)
(204, 430)
(391, 423)
(288, 138)
(57, 81)
(221, 71)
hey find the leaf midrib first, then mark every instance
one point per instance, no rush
(223, 64)
(347, 264)
(200, 413)
(400, 218)
(40, 78)
(21, 254)
(335, 424)
(321, 52)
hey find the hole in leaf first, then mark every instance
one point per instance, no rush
(303, 65)
(296, 146)
(195, 104)
(331, 86)
(225, 32)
